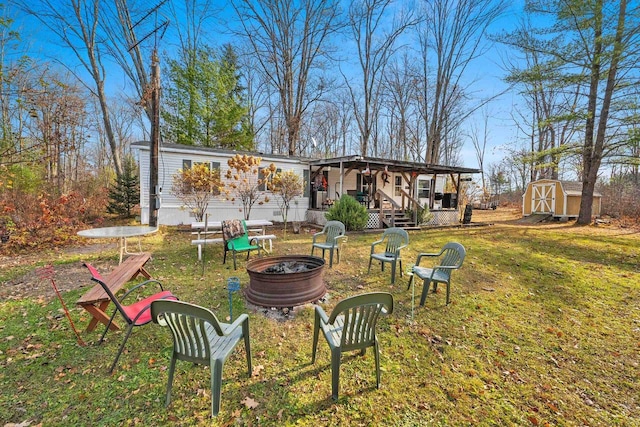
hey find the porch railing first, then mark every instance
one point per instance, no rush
(388, 216)
(412, 205)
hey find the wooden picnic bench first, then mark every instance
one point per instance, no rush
(96, 300)
(215, 227)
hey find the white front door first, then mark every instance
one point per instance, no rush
(543, 198)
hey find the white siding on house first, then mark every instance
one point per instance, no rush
(171, 210)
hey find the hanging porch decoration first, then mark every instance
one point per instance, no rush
(385, 176)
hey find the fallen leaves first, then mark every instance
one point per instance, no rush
(555, 331)
(22, 424)
(257, 370)
(249, 403)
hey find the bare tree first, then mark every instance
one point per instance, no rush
(550, 119)
(15, 77)
(595, 45)
(289, 40)
(76, 23)
(376, 44)
(258, 91)
(132, 31)
(400, 96)
(453, 140)
(192, 18)
(479, 137)
(327, 131)
(453, 32)
(56, 125)
(518, 165)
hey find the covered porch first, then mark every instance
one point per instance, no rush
(392, 191)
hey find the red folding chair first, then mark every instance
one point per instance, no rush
(135, 314)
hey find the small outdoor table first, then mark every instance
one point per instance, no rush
(121, 233)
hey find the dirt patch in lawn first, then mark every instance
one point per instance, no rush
(66, 276)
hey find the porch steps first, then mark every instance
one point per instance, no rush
(401, 221)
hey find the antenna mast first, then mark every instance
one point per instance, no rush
(154, 90)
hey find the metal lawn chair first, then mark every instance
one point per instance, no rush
(135, 314)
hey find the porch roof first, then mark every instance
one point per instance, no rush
(377, 164)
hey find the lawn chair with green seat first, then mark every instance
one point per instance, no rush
(199, 338)
(450, 258)
(351, 326)
(135, 314)
(236, 239)
(395, 239)
(329, 239)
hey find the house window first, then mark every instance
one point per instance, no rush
(305, 178)
(211, 165)
(398, 185)
(187, 164)
(423, 188)
(215, 166)
(263, 186)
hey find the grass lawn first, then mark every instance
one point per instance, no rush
(543, 329)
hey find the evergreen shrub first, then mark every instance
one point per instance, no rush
(350, 212)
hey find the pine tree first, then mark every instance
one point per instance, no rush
(125, 195)
(204, 101)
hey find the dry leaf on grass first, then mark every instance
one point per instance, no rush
(249, 403)
(256, 370)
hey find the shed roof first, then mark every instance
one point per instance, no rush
(574, 188)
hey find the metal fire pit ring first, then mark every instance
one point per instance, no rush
(283, 290)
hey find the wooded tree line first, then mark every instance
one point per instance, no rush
(579, 80)
(383, 78)
(291, 86)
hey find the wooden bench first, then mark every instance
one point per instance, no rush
(96, 300)
(262, 238)
(202, 242)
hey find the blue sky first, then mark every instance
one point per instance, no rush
(486, 74)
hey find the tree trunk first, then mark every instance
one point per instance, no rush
(594, 148)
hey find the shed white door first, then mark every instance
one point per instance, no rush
(543, 198)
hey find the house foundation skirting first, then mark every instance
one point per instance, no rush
(440, 218)
(444, 217)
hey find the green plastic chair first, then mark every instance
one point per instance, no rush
(335, 235)
(395, 239)
(351, 326)
(198, 337)
(240, 244)
(450, 258)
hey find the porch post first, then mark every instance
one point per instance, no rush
(341, 178)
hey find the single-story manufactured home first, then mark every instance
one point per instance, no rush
(391, 190)
(561, 199)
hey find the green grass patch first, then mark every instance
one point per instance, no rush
(543, 329)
